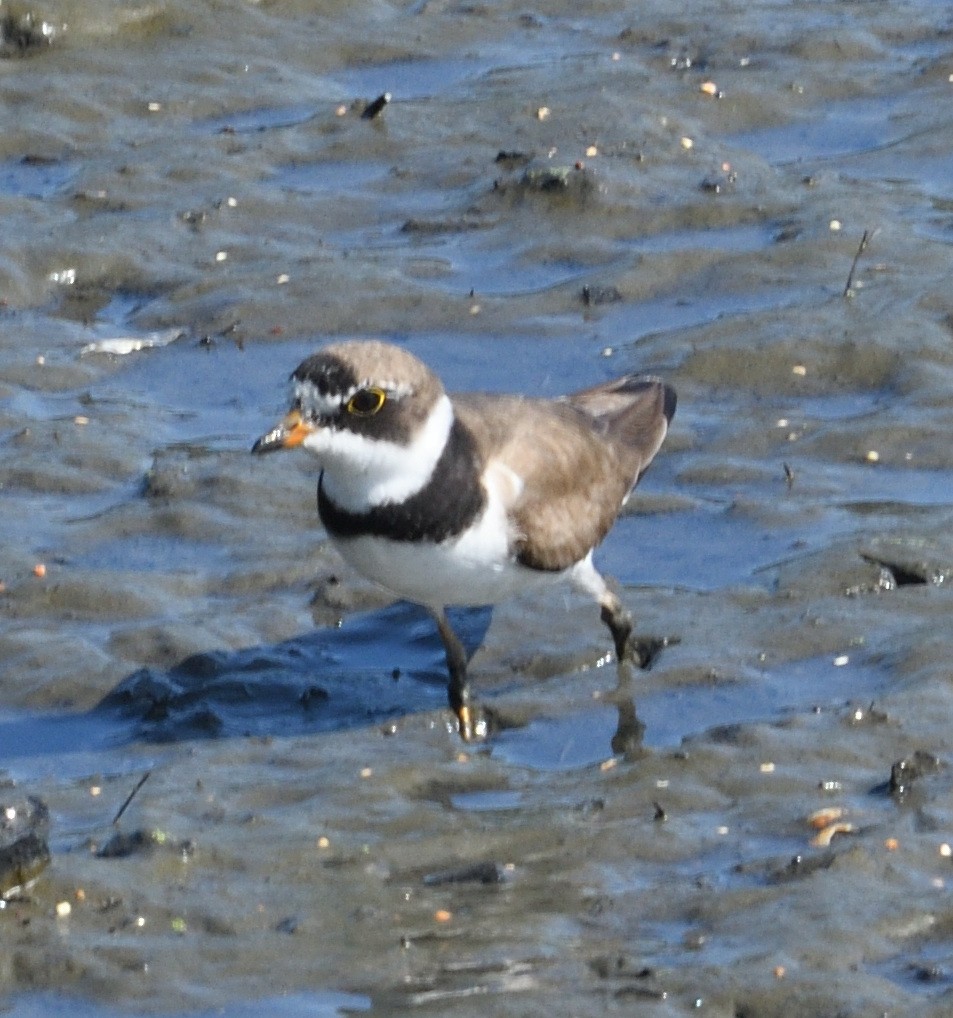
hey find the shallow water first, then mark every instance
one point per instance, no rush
(197, 182)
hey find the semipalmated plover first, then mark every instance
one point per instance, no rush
(469, 498)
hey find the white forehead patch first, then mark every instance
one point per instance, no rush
(329, 403)
(307, 396)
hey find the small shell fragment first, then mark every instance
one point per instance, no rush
(125, 345)
(822, 818)
(824, 837)
(443, 915)
(39, 570)
(542, 113)
(708, 88)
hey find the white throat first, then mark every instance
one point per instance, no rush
(361, 472)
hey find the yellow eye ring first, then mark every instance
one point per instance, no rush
(366, 402)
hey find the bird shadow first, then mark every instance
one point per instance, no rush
(375, 667)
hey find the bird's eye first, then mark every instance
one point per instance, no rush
(366, 402)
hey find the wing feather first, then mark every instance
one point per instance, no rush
(576, 460)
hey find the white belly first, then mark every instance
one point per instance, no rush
(455, 572)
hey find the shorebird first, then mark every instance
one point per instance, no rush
(469, 498)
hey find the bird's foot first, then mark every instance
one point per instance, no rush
(472, 723)
(643, 651)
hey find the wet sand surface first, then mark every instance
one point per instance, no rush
(192, 202)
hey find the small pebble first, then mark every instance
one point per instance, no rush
(63, 909)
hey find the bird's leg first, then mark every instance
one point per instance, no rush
(472, 726)
(619, 621)
(642, 651)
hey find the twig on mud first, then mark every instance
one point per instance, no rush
(131, 796)
(849, 288)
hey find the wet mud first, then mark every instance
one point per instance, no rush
(245, 786)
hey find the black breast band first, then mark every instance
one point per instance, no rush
(446, 505)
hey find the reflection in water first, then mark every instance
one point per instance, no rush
(627, 738)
